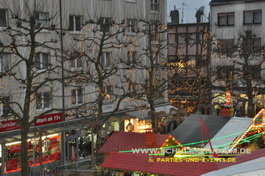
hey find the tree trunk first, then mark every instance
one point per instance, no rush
(153, 118)
(251, 112)
(24, 148)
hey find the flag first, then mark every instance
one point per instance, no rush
(204, 127)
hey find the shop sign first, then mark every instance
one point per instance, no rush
(11, 165)
(15, 148)
(48, 119)
(9, 125)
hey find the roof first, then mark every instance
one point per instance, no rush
(217, 2)
(190, 129)
(236, 125)
(120, 141)
(140, 162)
(244, 164)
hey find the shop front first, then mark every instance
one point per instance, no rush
(51, 152)
(46, 144)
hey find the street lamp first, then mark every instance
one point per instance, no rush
(130, 127)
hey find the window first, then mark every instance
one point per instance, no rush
(154, 29)
(251, 44)
(76, 60)
(131, 87)
(107, 92)
(156, 58)
(131, 58)
(252, 17)
(256, 45)
(4, 63)
(257, 16)
(226, 19)
(226, 46)
(252, 70)
(42, 61)
(230, 19)
(105, 24)
(3, 18)
(131, 25)
(225, 72)
(42, 19)
(106, 59)
(77, 96)
(43, 100)
(4, 109)
(154, 5)
(221, 19)
(75, 23)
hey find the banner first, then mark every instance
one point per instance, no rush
(11, 165)
(9, 125)
(48, 119)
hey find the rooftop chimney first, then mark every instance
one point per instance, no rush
(174, 14)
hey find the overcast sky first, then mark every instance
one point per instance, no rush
(189, 10)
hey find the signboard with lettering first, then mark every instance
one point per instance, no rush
(9, 125)
(48, 119)
(11, 165)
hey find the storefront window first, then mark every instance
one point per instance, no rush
(78, 145)
(140, 126)
(51, 151)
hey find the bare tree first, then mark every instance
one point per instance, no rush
(29, 72)
(148, 62)
(249, 67)
(240, 68)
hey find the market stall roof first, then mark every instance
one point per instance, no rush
(249, 164)
(121, 141)
(141, 163)
(190, 131)
(143, 114)
(234, 128)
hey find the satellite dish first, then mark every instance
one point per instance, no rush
(199, 14)
(201, 8)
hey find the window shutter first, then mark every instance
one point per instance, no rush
(73, 96)
(37, 59)
(78, 23)
(71, 23)
(3, 22)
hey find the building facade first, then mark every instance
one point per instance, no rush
(59, 59)
(188, 60)
(238, 54)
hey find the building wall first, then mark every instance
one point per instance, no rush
(89, 10)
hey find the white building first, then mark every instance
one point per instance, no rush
(239, 69)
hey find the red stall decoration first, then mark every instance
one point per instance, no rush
(48, 119)
(11, 165)
(15, 148)
(228, 98)
(45, 158)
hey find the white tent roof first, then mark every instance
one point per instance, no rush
(236, 126)
(254, 167)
